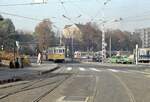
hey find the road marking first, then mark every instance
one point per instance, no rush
(113, 70)
(73, 99)
(116, 71)
(85, 76)
(81, 69)
(94, 69)
(140, 72)
(69, 68)
(130, 94)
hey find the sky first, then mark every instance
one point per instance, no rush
(135, 14)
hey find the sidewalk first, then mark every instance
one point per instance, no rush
(10, 75)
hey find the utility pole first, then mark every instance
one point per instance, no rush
(103, 45)
(136, 55)
(103, 35)
(110, 46)
(72, 47)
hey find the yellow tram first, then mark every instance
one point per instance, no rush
(56, 53)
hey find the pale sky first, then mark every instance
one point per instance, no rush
(135, 13)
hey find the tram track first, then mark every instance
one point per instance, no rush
(38, 99)
(30, 85)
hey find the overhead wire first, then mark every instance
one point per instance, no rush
(22, 4)
(64, 8)
(79, 9)
(98, 12)
(66, 12)
(16, 15)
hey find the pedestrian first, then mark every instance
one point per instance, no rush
(17, 65)
(39, 58)
(11, 64)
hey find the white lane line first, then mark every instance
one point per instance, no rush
(94, 69)
(69, 68)
(139, 72)
(81, 69)
(113, 70)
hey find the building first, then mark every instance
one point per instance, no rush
(72, 31)
(145, 36)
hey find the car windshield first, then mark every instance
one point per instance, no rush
(74, 50)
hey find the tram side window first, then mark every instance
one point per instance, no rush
(60, 51)
(55, 51)
(50, 51)
(63, 51)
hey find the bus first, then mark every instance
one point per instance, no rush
(56, 54)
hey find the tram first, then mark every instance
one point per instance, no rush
(56, 54)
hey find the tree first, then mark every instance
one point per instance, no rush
(122, 40)
(7, 29)
(45, 35)
(91, 37)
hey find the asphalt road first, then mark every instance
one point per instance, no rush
(82, 83)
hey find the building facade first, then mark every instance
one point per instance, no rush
(145, 37)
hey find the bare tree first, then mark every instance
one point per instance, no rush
(45, 34)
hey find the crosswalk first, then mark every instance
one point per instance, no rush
(83, 69)
(69, 68)
(94, 69)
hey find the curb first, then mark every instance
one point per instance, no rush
(20, 78)
(48, 71)
(15, 79)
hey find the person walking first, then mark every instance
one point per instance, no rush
(39, 61)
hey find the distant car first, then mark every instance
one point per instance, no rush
(121, 60)
(115, 59)
(97, 58)
(126, 60)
